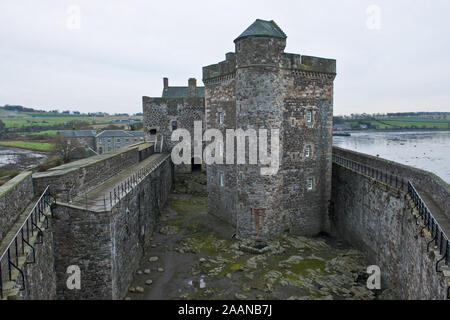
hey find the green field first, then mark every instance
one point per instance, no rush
(42, 121)
(39, 146)
(403, 123)
(47, 132)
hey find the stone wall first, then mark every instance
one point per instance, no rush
(380, 220)
(307, 92)
(220, 98)
(83, 238)
(15, 196)
(159, 113)
(108, 245)
(40, 276)
(435, 187)
(132, 225)
(69, 180)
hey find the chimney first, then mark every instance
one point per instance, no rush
(166, 83)
(192, 89)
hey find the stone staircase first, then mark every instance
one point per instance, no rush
(20, 253)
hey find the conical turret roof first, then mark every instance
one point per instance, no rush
(263, 28)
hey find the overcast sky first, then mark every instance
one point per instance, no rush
(392, 56)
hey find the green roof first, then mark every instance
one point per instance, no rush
(263, 28)
(181, 92)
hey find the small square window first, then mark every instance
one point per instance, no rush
(221, 182)
(308, 151)
(220, 149)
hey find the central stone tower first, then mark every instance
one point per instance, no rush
(262, 87)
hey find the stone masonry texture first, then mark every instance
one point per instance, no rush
(15, 196)
(380, 220)
(68, 181)
(183, 108)
(260, 86)
(108, 245)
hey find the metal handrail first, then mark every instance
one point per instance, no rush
(121, 189)
(439, 237)
(28, 227)
(383, 176)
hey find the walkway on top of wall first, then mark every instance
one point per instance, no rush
(435, 210)
(102, 197)
(387, 178)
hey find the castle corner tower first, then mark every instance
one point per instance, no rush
(262, 87)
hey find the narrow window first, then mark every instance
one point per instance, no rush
(310, 183)
(220, 118)
(221, 179)
(174, 125)
(309, 116)
(220, 153)
(308, 151)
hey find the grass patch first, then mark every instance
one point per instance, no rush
(232, 267)
(39, 146)
(176, 222)
(185, 206)
(46, 132)
(302, 266)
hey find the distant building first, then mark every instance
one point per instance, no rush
(105, 141)
(342, 127)
(113, 140)
(85, 137)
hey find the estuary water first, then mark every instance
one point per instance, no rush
(19, 159)
(427, 150)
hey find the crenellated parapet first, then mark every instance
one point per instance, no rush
(221, 71)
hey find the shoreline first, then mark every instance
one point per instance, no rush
(22, 145)
(399, 130)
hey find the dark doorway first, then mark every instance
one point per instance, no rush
(196, 167)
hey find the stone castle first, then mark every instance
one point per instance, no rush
(101, 214)
(261, 86)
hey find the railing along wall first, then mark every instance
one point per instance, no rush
(377, 174)
(440, 239)
(17, 247)
(108, 201)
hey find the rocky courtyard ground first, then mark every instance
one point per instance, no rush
(194, 256)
